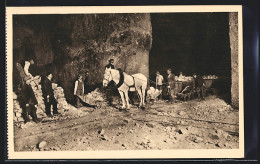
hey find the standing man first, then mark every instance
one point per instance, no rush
(28, 99)
(159, 82)
(110, 64)
(199, 86)
(28, 103)
(110, 89)
(171, 84)
(79, 90)
(48, 95)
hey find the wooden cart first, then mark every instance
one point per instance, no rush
(185, 89)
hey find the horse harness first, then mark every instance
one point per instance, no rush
(122, 80)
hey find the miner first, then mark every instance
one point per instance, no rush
(110, 89)
(23, 69)
(171, 84)
(199, 86)
(79, 90)
(28, 100)
(28, 103)
(48, 95)
(110, 64)
(159, 83)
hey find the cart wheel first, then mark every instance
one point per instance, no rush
(192, 95)
(185, 97)
(189, 96)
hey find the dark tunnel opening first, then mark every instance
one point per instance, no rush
(192, 43)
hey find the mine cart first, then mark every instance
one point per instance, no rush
(185, 89)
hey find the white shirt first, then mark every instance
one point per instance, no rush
(76, 87)
(159, 80)
(26, 67)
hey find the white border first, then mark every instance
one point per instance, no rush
(178, 153)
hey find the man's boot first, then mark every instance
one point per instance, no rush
(33, 114)
(48, 110)
(26, 113)
(55, 110)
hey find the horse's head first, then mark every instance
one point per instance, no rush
(107, 77)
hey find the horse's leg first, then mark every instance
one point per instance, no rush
(127, 99)
(140, 96)
(143, 95)
(122, 98)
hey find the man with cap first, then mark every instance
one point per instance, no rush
(48, 95)
(110, 64)
(171, 84)
(199, 85)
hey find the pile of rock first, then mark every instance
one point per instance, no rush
(35, 83)
(93, 97)
(153, 93)
(36, 87)
(17, 117)
(62, 105)
(183, 78)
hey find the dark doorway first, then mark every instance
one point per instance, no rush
(192, 43)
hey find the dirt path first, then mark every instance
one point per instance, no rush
(186, 125)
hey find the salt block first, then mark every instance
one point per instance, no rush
(14, 96)
(18, 114)
(42, 144)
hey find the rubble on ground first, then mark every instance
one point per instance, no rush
(153, 93)
(93, 97)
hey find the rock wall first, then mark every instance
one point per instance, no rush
(233, 34)
(69, 45)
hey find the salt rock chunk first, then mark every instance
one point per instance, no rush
(181, 113)
(18, 114)
(14, 118)
(14, 96)
(101, 132)
(60, 88)
(19, 119)
(61, 99)
(54, 85)
(42, 144)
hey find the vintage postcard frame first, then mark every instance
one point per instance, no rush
(127, 154)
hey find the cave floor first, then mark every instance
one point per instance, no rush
(207, 124)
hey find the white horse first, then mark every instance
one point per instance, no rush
(124, 82)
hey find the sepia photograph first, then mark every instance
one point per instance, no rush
(128, 82)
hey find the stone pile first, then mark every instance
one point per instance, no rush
(36, 87)
(59, 95)
(153, 93)
(94, 96)
(17, 117)
(35, 83)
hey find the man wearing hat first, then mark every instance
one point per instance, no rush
(199, 86)
(48, 95)
(110, 64)
(171, 85)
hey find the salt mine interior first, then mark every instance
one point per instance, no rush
(69, 45)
